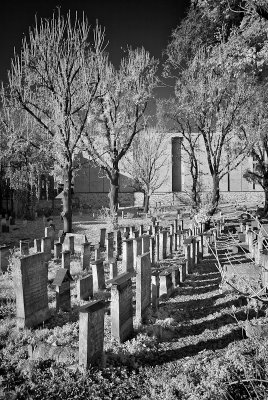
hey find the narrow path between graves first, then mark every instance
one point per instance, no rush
(199, 316)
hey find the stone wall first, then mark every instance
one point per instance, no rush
(98, 200)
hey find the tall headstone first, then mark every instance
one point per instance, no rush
(57, 250)
(102, 237)
(118, 244)
(152, 249)
(112, 268)
(30, 275)
(97, 252)
(50, 232)
(137, 250)
(143, 285)
(166, 284)
(145, 244)
(155, 290)
(162, 245)
(24, 247)
(63, 290)
(85, 287)
(121, 307)
(110, 245)
(91, 334)
(4, 257)
(37, 245)
(127, 257)
(66, 260)
(98, 276)
(157, 247)
(46, 248)
(85, 255)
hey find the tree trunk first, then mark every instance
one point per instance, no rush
(146, 202)
(195, 193)
(215, 193)
(114, 188)
(67, 203)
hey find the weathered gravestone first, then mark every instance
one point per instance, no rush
(145, 244)
(66, 260)
(24, 247)
(98, 276)
(162, 245)
(37, 245)
(97, 251)
(68, 243)
(50, 232)
(30, 276)
(166, 284)
(85, 255)
(112, 268)
(121, 307)
(155, 290)
(63, 290)
(85, 287)
(46, 248)
(143, 285)
(127, 257)
(57, 250)
(110, 245)
(4, 257)
(102, 237)
(91, 334)
(137, 250)
(78, 240)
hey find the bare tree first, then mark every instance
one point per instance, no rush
(147, 162)
(119, 114)
(54, 80)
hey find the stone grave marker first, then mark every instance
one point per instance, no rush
(155, 290)
(137, 250)
(24, 247)
(37, 245)
(63, 290)
(85, 287)
(85, 255)
(127, 257)
(98, 276)
(143, 285)
(145, 245)
(66, 260)
(91, 334)
(121, 307)
(50, 232)
(110, 245)
(118, 244)
(102, 237)
(78, 240)
(112, 268)
(162, 245)
(166, 284)
(4, 257)
(30, 283)
(152, 249)
(46, 248)
(57, 250)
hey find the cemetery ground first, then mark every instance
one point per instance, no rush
(193, 346)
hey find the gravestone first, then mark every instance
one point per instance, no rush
(112, 268)
(118, 244)
(30, 284)
(166, 284)
(110, 245)
(85, 287)
(85, 255)
(98, 276)
(183, 270)
(57, 250)
(155, 290)
(69, 243)
(66, 260)
(137, 250)
(152, 249)
(127, 257)
(145, 244)
(132, 232)
(37, 245)
(46, 248)
(91, 334)
(102, 237)
(175, 275)
(162, 245)
(24, 247)
(50, 232)
(63, 290)
(143, 285)
(121, 307)
(4, 257)
(157, 247)
(140, 230)
(97, 251)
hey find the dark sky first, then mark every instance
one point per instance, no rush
(147, 23)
